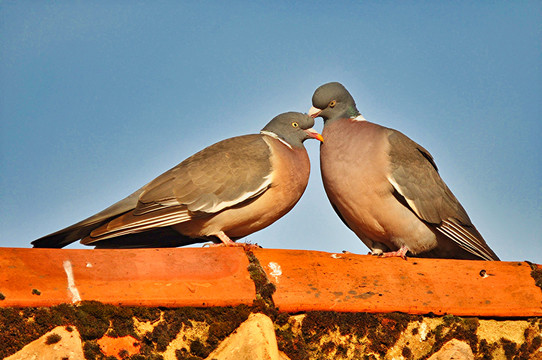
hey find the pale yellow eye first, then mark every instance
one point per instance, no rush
(332, 103)
(294, 124)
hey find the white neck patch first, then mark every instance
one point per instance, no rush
(359, 118)
(275, 136)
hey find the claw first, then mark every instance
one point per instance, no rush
(227, 242)
(399, 253)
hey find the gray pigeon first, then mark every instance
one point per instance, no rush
(226, 191)
(386, 188)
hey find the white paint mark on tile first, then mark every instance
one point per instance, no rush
(71, 282)
(276, 270)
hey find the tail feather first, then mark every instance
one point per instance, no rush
(68, 235)
(83, 228)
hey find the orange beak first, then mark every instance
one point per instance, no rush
(314, 134)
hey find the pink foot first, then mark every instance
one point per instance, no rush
(399, 253)
(226, 241)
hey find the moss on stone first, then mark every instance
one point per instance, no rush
(509, 347)
(264, 288)
(381, 330)
(485, 350)
(454, 327)
(406, 353)
(533, 342)
(314, 335)
(52, 339)
(199, 349)
(536, 274)
(91, 350)
(183, 354)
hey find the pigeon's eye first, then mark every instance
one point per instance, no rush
(294, 124)
(332, 103)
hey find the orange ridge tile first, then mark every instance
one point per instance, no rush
(139, 277)
(312, 280)
(305, 280)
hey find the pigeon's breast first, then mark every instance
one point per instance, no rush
(354, 161)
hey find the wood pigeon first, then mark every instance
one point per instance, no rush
(222, 193)
(386, 188)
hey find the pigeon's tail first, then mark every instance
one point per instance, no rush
(67, 236)
(158, 238)
(468, 238)
(83, 228)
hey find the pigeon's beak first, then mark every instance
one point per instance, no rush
(314, 134)
(314, 112)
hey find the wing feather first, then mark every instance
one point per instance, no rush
(220, 176)
(414, 174)
(223, 175)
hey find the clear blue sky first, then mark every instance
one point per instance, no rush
(97, 98)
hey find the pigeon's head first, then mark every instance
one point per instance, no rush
(293, 128)
(332, 101)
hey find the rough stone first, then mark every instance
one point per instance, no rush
(57, 344)
(253, 340)
(195, 333)
(494, 331)
(198, 331)
(415, 337)
(454, 350)
(142, 327)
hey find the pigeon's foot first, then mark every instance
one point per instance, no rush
(399, 253)
(226, 241)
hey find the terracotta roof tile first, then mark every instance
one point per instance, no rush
(311, 280)
(304, 280)
(148, 277)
